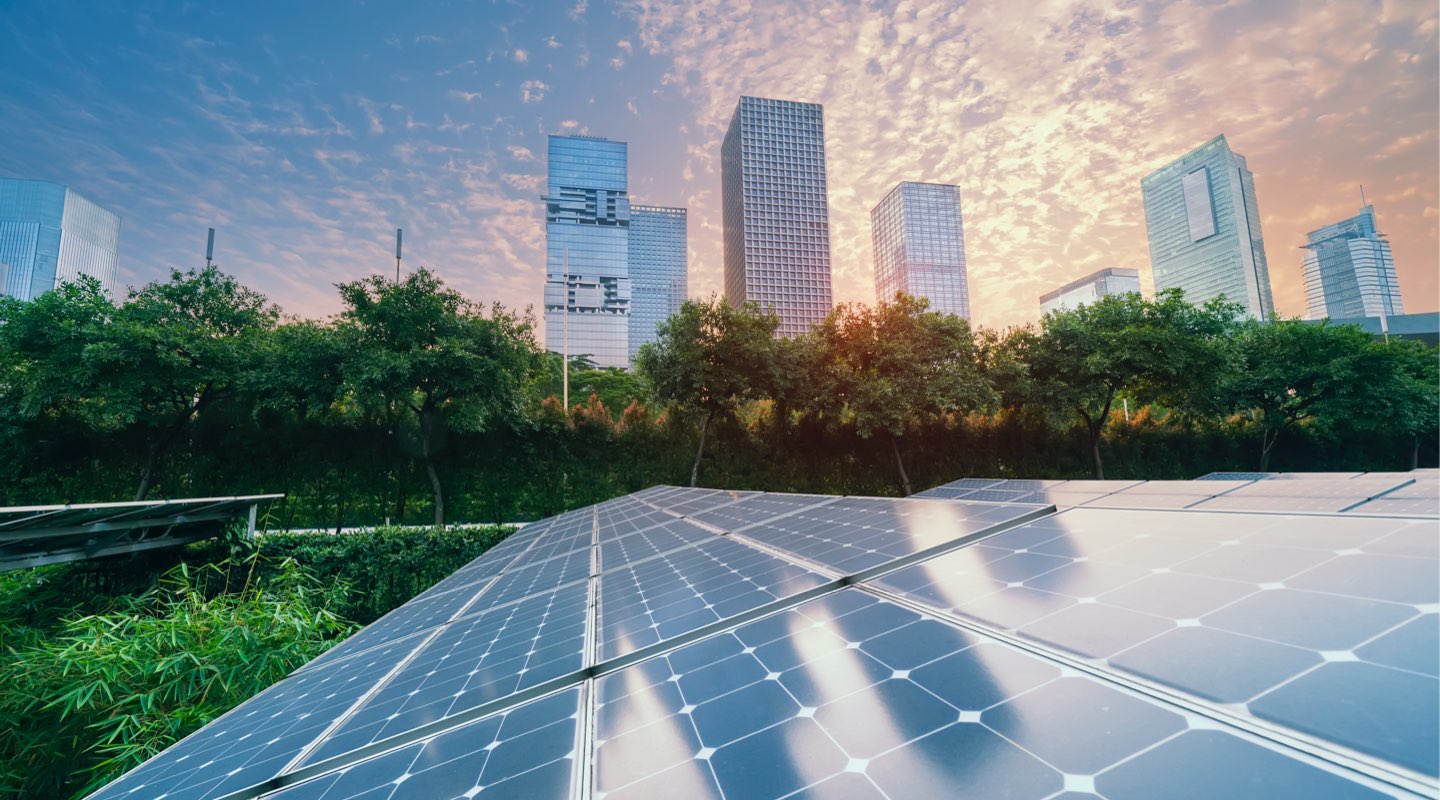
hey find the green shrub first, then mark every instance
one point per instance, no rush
(112, 689)
(382, 567)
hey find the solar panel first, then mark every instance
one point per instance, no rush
(756, 509)
(1237, 476)
(470, 663)
(1315, 495)
(663, 597)
(1286, 605)
(855, 534)
(700, 643)
(526, 751)
(854, 696)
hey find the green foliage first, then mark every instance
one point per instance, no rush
(109, 662)
(111, 689)
(710, 358)
(1081, 360)
(414, 347)
(382, 568)
(1289, 372)
(890, 367)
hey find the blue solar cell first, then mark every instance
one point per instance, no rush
(618, 552)
(1229, 608)
(851, 693)
(527, 751)
(757, 509)
(678, 592)
(471, 663)
(1388, 713)
(1203, 765)
(855, 534)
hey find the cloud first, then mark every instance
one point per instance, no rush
(520, 153)
(533, 91)
(617, 63)
(520, 56)
(468, 97)
(578, 11)
(371, 115)
(625, 46)
(553, 43)
(1047, 116)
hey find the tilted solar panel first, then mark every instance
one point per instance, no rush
(700, 643)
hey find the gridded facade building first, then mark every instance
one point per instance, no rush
(919, 242)
(587, 270)
(776, 214)
(657, 270)
(1349, 270)
(1092, 287)
(50, 234)
(1204, 229)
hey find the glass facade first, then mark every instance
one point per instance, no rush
(775, 209)
(919, 242)
(657, 270)
(1204, 228)
(1349, 270)
(50, 234)
(1092, 287)
(587, 270)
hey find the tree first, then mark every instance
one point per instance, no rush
(708, 359)
(147, 369)
(1081, 359)
(421, 349)
(894, 366)
(1286, 372)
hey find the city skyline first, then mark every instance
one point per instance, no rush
(306, 155)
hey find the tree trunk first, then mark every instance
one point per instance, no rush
(1415, 451)
(1095, 454)
(147, 473)
(900, 464)
(435, 486)
(1267, 443)
(699, 451)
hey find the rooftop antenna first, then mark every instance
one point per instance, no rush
(1362, 196)
(398, 235)
(210, 249)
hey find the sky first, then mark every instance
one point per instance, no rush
(305, 133)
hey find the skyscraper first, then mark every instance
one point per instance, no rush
(1349, 271)
(49, 234)
(587, 273)
(1204, 228)
(657, 270)
(776, 216)
(919, 244)
(1092, 287)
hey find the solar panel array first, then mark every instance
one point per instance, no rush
(1146, 640)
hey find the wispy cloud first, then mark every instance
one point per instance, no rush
(533, 91)
(1047, 116)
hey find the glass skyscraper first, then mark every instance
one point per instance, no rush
(49, 234)
(657, 270)
(919, 242)
(1349, 271)
(1204, 228)
(587, 270)
(775, 210)
(1092, 287)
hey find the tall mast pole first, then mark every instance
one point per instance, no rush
(398, 235)
(565, 356)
